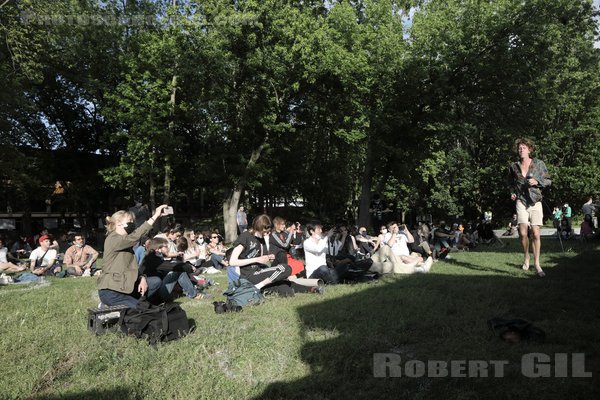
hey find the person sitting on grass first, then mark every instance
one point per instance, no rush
(120, 282)
(394, 255)
(294, 229)
(169, 273)
(366, 244)
(512, 228)
(487, 235)
(279, 241)
(172, 233)
(43, 258)
(216, 251)
(20, 248)
(80, 258)
(586, 231)
(315, 252)
(250, 257)
(5, 265)
(193, 253)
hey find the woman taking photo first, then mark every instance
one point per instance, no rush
(119, 283)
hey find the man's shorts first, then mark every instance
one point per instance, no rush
(533, 214)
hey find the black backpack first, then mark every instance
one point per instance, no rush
(160, 323)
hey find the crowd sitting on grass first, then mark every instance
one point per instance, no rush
(271, 254)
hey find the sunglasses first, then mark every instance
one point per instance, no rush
(214, 237)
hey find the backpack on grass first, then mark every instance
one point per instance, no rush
(243, 293)
(160, 323)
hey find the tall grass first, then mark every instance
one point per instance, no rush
(318, 346)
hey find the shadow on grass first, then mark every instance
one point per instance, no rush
(443, 317)
(95, 394)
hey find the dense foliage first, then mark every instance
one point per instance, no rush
(207, 104)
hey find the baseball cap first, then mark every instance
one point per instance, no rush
(42, 238)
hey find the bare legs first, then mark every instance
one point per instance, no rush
(536, 244)
(525, 243)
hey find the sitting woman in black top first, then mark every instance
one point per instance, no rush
(250, 255)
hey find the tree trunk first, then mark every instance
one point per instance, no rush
(167, 193)
(366, 183)
(168, 170)
(152, 194)
(230, 204)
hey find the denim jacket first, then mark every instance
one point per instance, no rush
(517, 183)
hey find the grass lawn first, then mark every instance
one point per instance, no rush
(320, 346)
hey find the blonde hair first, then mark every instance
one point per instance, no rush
(191, 243)
(113, 220)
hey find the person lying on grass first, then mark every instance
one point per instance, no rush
(5, 265)
(394, 255)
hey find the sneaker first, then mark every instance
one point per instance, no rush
(317, 290)
(211, 270)
(203, 296)
(87, 272)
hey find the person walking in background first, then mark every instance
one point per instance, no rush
(242, 220)
(526, 179)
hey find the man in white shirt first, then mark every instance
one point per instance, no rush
(43, 258)
(394, 255)
(315, 254)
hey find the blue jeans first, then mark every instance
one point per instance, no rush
(216, 260)
(110, 297)
(169, 282)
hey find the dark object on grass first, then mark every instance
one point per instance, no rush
(161, 323)
(516, 330)
(105, 319)
(221, 307)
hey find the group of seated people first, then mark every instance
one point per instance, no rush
(176, 259)
(271, 254)
(77, 258)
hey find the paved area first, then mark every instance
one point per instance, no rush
(544, 232)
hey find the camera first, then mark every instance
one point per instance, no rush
(168, 211)
(222, 307)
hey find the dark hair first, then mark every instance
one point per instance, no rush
(310, 227)
(174, 228)
(73, 235)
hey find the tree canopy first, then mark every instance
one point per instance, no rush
(208, 104)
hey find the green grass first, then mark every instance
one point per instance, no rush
(318, 347)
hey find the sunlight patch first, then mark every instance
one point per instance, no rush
(321, 335)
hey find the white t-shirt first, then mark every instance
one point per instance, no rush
(314, 254)
(400, 247)
(3, 254)
(39, 252)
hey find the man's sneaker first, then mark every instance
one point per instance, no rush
(87, 272)
(211, 270)
(203, 296)
(317, 290)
